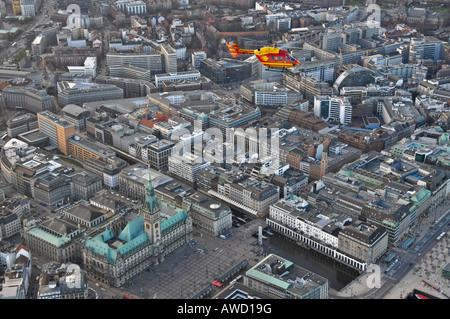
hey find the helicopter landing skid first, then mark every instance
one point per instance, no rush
(283, 70)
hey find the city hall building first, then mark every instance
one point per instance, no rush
(123, 251)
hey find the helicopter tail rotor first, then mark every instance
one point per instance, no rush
(234, 52)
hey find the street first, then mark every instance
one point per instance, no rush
(409, 262)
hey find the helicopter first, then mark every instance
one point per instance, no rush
(273, 58)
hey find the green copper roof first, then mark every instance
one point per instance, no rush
(131, 236)
(254, 272)
(419, 198)
(49, 238)
(133, 229)
(181, 216)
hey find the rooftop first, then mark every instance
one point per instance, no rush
(283, 274)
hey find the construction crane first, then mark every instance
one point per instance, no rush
(340, 54)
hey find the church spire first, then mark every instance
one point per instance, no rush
(150, 198)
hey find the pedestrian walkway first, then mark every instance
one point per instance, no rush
(426, 275)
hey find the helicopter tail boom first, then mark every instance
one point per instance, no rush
(237, 51)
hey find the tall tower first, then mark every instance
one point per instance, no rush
(152, 218)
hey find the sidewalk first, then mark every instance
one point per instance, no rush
(427, 270)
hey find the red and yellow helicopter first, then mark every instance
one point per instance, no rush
(272, 57)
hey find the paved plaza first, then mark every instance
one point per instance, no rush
(190, 268)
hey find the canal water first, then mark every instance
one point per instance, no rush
(338, 275)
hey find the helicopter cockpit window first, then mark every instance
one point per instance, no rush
(280, 58)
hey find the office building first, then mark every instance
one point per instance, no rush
(186, 166)
(62, 281)
(364, 241)
(355, 76)
(333, 109)
(129, 71)
(308, 86)
(209, 215)
(175, 77)
(109, 172)
(76, 115)
(79, 93)
(28, 8)
(169, 58)
(136, 86)
(10, 225)
(196, 57)
(53, 239)
(158, 154)
(57, 128)
(15, 7)
(280, 278)
(151, 61)
(21, 124)
(38, 46)
(269, 93)
(89, 67)
(86, 186)
(85, 148)
(30, 99)
(225, 71)
(134, 178)
(135, 7)
(52, 189)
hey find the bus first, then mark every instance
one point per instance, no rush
(125, 296)
(438, 238)
(14, 44)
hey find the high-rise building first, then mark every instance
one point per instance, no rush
(169, 56)
(416, 50)
(333, 109)
(57, 128)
